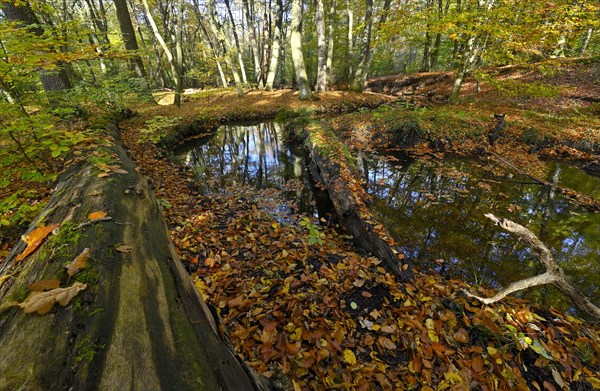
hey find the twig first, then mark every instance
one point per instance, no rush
(82, 225)
(554, 274)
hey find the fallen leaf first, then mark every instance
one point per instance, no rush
(44, 285)
(124, 248)
(102, 175)
(42, 302)
(477, 363)
(349, 356)
(97, 215)
(120, 171)
(461, 336)
(35, 238)
(79, 263)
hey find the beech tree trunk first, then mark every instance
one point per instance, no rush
(237, 43)
(139, 325)
(276, 46)
(321, 84)
(296, 45)
(135, 63)
(253, 43)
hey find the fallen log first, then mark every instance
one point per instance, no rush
(136, 322)
(329, 173)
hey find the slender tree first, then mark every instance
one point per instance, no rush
(321, 84)
(296, 45)
(275, 46)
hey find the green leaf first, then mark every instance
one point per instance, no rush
(539, 349)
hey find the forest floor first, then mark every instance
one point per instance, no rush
(325, 315)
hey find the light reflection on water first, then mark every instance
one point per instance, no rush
(435, 210)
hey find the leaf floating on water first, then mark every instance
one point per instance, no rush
(44, 285)
(97, 215)
(35, 238)
(79, 263)
(124, 248)
(42, 302)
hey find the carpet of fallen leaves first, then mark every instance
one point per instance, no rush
(329, 316)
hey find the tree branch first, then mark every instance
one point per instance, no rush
(554, 274)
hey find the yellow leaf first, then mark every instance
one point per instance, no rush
(594, 381)
(97, 215)
(34, 239)
(42, 302)
(79, 263)
(349, 356)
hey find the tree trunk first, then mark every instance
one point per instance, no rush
(135, 63)
(276, 46)
(161, 41)
(296, 45)
(586, 41)
(367, 31)
(349, 42)
(253, 42)
(426, 60)
(52, 81)
(321, 84)
(139, 324)
(179, 51)
(237, 43)
(329, 62)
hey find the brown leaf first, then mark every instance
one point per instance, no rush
(97, 215)
(79, 263)
(387, 343)
(461, 336)
(124, 248)
(44, 285)
(42, 302)
(477, 363)
(102, 175)
(35, 238)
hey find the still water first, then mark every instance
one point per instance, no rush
(433, 208)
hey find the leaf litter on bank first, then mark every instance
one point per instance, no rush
(289, 310)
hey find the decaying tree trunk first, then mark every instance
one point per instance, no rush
(347, 210)
(139, 325)
(554, 274)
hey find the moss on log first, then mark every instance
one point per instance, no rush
(140, 324)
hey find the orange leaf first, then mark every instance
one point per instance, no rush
(477, 363)
(461, 336)
(35, 238)
(42, 302)
(236, 302)
(79, 263)
(97, 215)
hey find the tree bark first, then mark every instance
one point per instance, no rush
(349, 42)
(329, 62)
(135, 63)
(253, 43)
(161, 41)
(179, 52)
(276, 46)
(237, 43)
(139, 325)
(296, 45)
(321, 84)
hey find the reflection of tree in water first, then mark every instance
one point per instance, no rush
(437, 212)
(254, 155)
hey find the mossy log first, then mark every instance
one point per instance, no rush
(139, 325)
(328, 173)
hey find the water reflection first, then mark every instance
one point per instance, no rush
(437, 210)
(255, 155)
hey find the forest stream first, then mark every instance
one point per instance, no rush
(433, 207)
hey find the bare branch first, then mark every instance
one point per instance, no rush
(554, 274)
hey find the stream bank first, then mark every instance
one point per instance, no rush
(326, 315)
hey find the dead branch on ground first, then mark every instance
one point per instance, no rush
(554, 274)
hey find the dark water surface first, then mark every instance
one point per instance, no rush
(433, 208)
